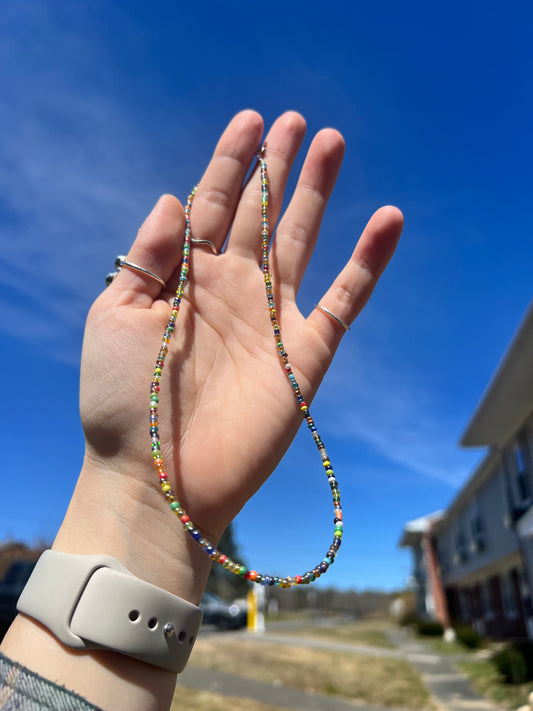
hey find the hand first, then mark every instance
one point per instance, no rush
(227, 413)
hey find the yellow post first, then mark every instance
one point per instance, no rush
(252, 611)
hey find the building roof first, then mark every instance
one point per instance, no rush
(504, 406)
(413, 530)
(482, 472)
(508, 399)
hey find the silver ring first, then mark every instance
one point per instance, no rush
(121, 261)
(207, 242)
(335, 318)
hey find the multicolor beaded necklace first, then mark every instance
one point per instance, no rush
(192, 530)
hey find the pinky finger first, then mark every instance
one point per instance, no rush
(351, 290)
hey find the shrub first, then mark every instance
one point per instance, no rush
(511, 665)
(515, 662)
(409, 619)
(468, 637)
(429, 628)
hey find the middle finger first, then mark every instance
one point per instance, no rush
(282, 145)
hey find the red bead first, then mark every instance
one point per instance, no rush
(211, 551)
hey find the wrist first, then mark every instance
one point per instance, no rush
(123, 517)
(114, 513)
(103, 677)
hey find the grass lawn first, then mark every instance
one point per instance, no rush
(196, 700)
(374, 680)
(371, 633)
(486, 680)
(442, 647)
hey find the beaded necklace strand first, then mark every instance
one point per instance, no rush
(176, 507)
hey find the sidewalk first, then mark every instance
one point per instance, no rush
(283, 697)
(449, 687)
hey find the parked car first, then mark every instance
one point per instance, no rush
(10, 588)
(225, 615)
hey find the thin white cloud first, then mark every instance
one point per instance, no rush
(79, 171)
(396, 413)
(78, 174)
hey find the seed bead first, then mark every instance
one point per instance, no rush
(303, 407)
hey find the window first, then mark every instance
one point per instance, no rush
(518, 473)
(475, 601)
(486, 600)
(460, 554)
(465, 608)
(477, 542)
(508, 596)
(523, 486)
(521, 459)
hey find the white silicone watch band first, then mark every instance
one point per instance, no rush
(94, 602)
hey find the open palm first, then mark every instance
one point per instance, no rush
(227, 412)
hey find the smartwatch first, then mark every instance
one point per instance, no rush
(93, 602)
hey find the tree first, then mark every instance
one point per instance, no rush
(227, 585)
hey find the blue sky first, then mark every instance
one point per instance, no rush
(104, 106)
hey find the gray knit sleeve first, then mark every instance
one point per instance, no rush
(23, 690)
